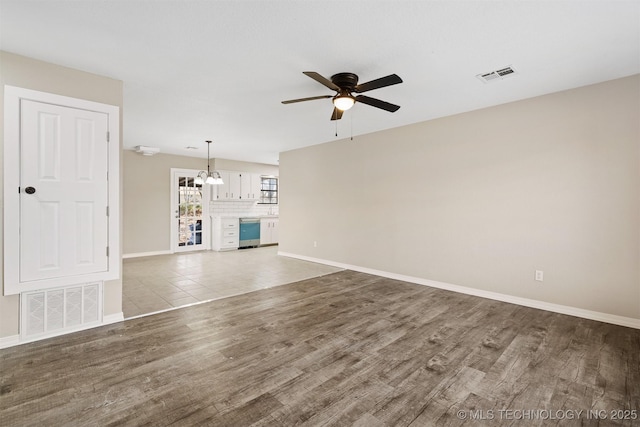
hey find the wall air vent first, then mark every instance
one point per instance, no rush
(52, 312)
(497, 74)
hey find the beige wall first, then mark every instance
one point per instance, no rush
(234, 165)
(28, 73)
(147, 196)
(147, 199)
(483, 199)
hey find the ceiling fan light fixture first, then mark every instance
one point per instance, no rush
(344, 101)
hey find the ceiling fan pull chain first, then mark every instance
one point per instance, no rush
(351, 116)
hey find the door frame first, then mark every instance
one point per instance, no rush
(206, 219)
(11, 198)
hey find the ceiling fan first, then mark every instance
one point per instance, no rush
(346, 83)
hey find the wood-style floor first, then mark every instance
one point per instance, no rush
(342, 349)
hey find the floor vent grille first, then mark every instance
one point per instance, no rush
(497, 74)
(54, 311)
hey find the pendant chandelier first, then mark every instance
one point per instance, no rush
(208, 177)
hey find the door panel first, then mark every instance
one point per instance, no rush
(47, 143)
(85, 254)
(49, 227)
(85, 150)
(63, 215)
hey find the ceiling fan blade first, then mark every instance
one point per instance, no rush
(392, 79)
(291, 101)
(377, 103)
(322, 80)
(337, 114)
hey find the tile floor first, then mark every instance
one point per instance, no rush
(152, 284)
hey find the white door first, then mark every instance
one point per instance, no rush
(190, 219)
(63, 191)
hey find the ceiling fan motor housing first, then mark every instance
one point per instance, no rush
(347, 81)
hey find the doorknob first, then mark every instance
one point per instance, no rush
(29, 190)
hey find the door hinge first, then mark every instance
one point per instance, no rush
(107, 250)
(108, 136)
(107, 210)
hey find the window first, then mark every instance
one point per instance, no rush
(269, 190)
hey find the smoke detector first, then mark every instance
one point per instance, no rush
(147, 151)
(497, 74)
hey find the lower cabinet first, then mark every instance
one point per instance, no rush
(269, 231)
(226, 234)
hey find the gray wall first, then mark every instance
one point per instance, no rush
(28, 73)
(482, 199)
(147, 196)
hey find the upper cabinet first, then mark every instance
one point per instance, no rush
(230, 190)
(238, 186)
(250, 186)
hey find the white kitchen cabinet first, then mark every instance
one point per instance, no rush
(269, 231)
(238, 186)
(222, 191)
(250, 184)
(226, 234)
(230, 190)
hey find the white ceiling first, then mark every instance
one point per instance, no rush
(198, 70)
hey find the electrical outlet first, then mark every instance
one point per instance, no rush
(539, 275)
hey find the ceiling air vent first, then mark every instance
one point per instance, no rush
(497, 74)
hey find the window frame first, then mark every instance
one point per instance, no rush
(269, 200)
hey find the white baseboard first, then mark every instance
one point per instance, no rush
(113, 318)
(556, 308)
(9, 341)
(14, 340)
(141, 254)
